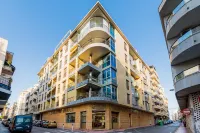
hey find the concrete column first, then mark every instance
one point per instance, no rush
(90, 92)
(108, 118)
(91, 58)
(89, 117)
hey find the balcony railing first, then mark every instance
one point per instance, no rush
(177, 9)
(71, 86)
(94, 97)
(186, 73)
(87, 29)
(4, 83)
(185, 36)
(88, 80)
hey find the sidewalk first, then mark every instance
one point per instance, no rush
(183, 129)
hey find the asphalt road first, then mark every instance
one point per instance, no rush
(155, 129)
(171, 128)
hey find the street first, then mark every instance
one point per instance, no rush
(171, 128)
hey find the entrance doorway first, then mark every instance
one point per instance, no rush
(98, 119)
(115, 122)
(83, 120)
(130, 119)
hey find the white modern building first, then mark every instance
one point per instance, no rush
(181, 26)
(21, 102)
(6, 72)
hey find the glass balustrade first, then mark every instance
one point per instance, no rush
(186, 73)
(177, 9)
(93, 23)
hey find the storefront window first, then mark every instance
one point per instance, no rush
(98, 120)
(70, 118)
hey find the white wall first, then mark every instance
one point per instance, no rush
(3, 49)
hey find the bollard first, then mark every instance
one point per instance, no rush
(63, 126)
(72, 127)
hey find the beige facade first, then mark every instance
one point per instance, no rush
(95, 79)
(160, 102)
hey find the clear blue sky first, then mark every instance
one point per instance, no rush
(34, 28)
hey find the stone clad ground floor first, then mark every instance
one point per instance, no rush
(99, 116)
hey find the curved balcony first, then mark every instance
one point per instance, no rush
(97, 27)
(97, 47)
(4, 88)
(97, 50)
(96, 99)
(188, 43)
(183, 17)
(187, 82)
(167, 6)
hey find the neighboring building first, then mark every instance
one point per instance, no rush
(21, 102)
(95, 79)
(12, 110)
(5, 111)
(160, 102)
(6, 72)
(181, 25)
(31, 100)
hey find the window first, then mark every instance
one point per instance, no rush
(126, 58)
(126, 71)
(60, 65)
(113, 61)
(59, 78)
(64, 85)
(60, 53)
(125, 46)
(114, 93)
(106, 61)
(112, 45)
(112, 32)
(110, 91)
(127, 84)
(57, 103)
(106, 76)
(63, 99)
(58, 89)
(70, 118)
(66, 59)
(65, 73)
(109, 75)
(83, 117)
(66, 48)
(128, 98)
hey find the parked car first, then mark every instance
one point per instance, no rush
(34, 122)
(43, 123)
(50, 124)
(4, 121)
(38, 123)
(21, 123)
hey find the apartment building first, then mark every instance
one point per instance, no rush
(12, 110)
(180, 21)
(6, 72)
(21, 102)
(160, 102)
(31, 101)
(95, 79)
